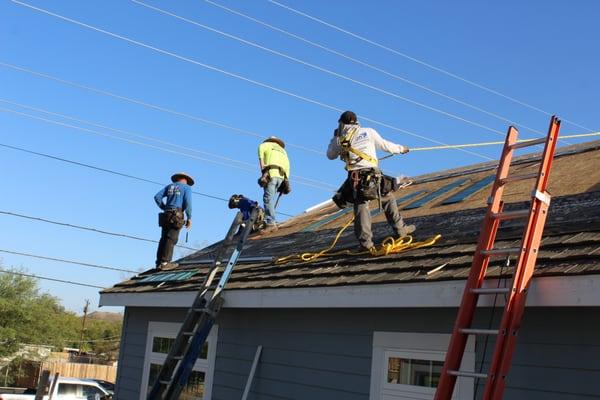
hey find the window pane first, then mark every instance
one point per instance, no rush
(194, 389)
(406, 371)
(68, 389)
(164, 344)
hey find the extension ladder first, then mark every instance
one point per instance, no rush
(516, 295)
(177, 368)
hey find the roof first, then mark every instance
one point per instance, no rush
(571, 244)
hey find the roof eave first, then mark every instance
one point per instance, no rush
(551, 291)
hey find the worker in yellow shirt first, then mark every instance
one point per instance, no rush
(275, 169)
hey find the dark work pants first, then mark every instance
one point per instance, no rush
(362, 219)
(168, 240)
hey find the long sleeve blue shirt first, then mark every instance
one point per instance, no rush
(178, 195)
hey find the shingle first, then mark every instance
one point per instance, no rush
(571, 243)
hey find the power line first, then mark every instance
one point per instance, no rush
(421, 62)
(136, 142)
(109, 171)
(84, 264)
(247, 166)
(322, 69)
(45, 278)
(234, 75)
(87, 228)
(370, 66)
(148, 105)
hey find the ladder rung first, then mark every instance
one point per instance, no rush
(506, 215)
(165, 382)
(491, 290)
(470, 331)
(515, 178)
(501, 252)
(178, 358)
(189, 333)
(467, 374)
(528, 143)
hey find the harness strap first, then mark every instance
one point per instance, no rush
(345, 143)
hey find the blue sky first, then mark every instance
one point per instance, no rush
(542, 53)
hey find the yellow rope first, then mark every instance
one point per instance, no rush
(389, 246)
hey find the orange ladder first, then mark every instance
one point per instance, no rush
(516, 295)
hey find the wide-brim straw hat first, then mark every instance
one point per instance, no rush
(179, 175)
(275, 139)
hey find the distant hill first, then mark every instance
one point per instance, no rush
(106, 316)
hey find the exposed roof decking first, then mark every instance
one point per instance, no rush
(571, 244)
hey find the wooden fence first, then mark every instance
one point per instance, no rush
(76, 370)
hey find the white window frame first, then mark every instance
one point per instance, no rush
(170, 330)
(419, 346)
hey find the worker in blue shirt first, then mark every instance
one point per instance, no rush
(178, 201)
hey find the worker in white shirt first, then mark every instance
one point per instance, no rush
(357, 147)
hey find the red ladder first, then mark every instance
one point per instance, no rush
(516, 295)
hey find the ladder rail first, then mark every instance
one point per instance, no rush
(479, 266)
(515, 305)
(200, 318)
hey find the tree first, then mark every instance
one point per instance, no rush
(28, 316)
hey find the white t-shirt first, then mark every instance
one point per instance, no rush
(367, 141)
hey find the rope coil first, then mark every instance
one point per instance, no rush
(390, 245)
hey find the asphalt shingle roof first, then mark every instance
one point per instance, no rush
(571, 243)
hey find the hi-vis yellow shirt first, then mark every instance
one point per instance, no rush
(271, 153)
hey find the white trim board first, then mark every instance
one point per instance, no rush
(555, 291)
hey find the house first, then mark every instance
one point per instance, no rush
(358, 328)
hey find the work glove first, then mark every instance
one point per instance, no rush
(404, 150)
(188, 224)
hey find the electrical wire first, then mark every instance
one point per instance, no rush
(109, 171)
(233, 75)
(45, 278)
(421, 62)
(320, 68)
(87, 228)
(370, 66)
(150, 106)
(481, 144)
(246, 165)
(143, 144)
(84, 264)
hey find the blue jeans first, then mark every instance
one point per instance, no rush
(269, 198)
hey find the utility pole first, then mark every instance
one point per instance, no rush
(85, 311)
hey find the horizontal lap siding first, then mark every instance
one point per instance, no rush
(133, 347)
(307, 354)
(326, 353)
(557, 356)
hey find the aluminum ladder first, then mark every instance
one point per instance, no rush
(506, 334)
(177, 368)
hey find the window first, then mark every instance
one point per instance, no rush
(161, 337)
(76, 391)
(407, 366)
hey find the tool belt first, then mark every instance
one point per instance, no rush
(363, 185)
(172, 218)
(263, 181)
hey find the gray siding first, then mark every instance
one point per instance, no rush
(326, 354)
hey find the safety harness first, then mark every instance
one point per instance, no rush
(345, 144)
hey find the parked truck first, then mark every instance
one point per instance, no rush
(68, 389)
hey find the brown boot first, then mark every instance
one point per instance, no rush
(405, 231)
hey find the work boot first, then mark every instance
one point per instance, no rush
(405, 231)
(365, 249)
(166, 266)
(269, 228)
